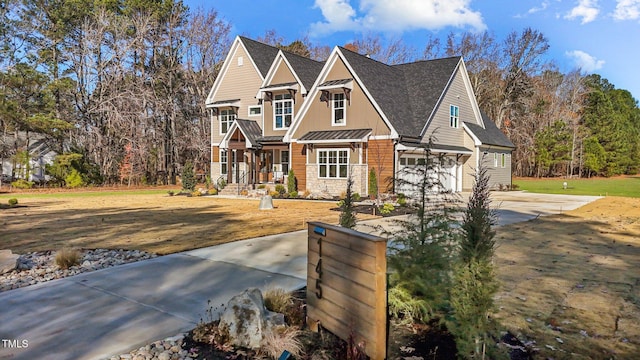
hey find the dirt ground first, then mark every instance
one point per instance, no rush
(571, 282)
(156, 223)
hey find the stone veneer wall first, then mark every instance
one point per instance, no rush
(335, 187)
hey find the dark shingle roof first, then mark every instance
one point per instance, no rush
(262, 54)
(306, 69)
(356, 134)
(386, 85)
(490, 134)
(250, 129)
(425, 82)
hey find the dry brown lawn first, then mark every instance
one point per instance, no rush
(156, 223)
(571, 282)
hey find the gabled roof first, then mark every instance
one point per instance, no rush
(386, 85)
(426, 82)
(249, 128)
(406, 93)
(490, 134)
(262, 54)
(306, 69)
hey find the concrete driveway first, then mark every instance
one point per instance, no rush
(112, 311)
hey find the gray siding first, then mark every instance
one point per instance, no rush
(498, 175)
(440, 127)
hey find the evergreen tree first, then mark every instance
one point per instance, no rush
(347, 213)
(474, 283)
(188, 177)
(420, 253)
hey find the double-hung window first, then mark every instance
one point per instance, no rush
(226, 118)
(454, 116)
(503, 160)
(495, 159)
(333, 164)
(338, 109)
(282, 111)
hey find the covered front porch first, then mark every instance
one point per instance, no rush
(251, 158)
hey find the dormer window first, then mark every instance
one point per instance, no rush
(282, 111)
(338, 109)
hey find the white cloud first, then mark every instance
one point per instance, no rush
(543, 6)
(399, 15)
(585, 61)
(627, 10)
(586, 9)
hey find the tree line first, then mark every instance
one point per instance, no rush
(120, 87)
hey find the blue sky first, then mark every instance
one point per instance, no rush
(598, 36)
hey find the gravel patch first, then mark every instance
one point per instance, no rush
(37, 267)
(167, 349)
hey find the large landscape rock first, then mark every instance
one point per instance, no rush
(247, 320)
(8, 261)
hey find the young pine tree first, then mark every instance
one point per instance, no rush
(420, 253)
(347, 212)
(474, 283)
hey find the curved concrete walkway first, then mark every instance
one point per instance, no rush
(112, 311)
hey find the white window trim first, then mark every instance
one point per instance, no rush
(337, 150)
(451, 117)
(229, 122)
(224, 162)
(254, 107)
(495, 159)
(274, 102)
(333, 110)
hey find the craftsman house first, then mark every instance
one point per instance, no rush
(273, 111)
(253, 102)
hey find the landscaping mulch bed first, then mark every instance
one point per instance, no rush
(415, 342)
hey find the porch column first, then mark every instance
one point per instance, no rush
(229, 168)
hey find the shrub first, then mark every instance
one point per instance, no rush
(222, 183)
(280, 189)
(291, 182)
(188, 177)
(274, 194)
(293, 194)
(213, 191)
(262, 186)
(196, 193)
(356, 197)
(306, 194)
(170, 192)
(66, 258)
(13, 202)
(387, 208)
(373, 183)
(402, 199)
(22, 184)
(74, 179)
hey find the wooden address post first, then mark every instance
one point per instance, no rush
(347, 285)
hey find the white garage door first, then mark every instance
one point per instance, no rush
(410, 170)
